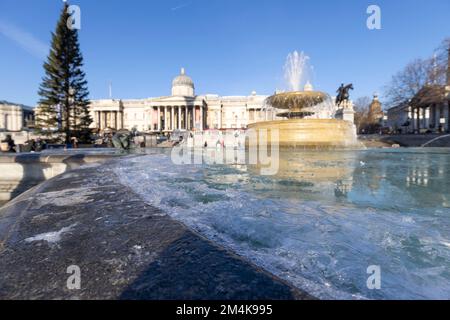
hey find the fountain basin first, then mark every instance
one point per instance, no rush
(310, 133)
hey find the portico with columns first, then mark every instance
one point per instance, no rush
(177, 114)
(430, 110)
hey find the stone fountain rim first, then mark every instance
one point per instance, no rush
(285, 121)
(291, 96)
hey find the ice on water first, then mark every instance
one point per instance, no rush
(323, 219)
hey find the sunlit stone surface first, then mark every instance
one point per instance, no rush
(310, 133)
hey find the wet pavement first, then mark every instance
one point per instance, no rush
(123, 248)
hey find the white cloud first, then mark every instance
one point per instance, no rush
(24, 39)
(181, 6)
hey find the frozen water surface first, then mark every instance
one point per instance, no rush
(323, 219)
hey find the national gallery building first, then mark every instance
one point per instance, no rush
(183, 110)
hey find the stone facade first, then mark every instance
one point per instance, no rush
(11, 117)
(399, 119)
(182, 111)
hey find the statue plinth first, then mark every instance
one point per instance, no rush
(346, 112)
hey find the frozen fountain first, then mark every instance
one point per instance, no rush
(306, 118)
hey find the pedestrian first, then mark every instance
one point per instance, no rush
(11, 145)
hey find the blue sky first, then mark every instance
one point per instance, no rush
(229, 47)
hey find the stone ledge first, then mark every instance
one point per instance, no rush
(22, 171)
(124, 248)
(52, 158)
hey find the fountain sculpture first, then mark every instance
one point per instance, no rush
(308, 118)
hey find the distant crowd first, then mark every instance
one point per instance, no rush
(33, 145)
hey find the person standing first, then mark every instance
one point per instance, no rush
(11, 145)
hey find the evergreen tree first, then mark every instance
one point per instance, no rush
(64, 103)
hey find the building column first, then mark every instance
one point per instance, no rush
(111, 119)
(159, 118)
(120, 122)
(180, 108)
(179, 117)
(186, 115)
(425, 118)
(150, 116)
(162, 119)
(97, 119)
(418, 120)
(437, 117)
(194, 116)
(115, 120)
(105, 124)
(172, 118)
(201, 118)
(19, 120)
(220, 118)
(154, 119)
(446, 127)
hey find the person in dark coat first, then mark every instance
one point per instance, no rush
(11, 145)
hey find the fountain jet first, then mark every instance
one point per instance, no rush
(296, 70)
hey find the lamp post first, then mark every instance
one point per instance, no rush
(71, 105)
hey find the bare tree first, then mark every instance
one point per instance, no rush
(407, 83)
(411, 79)
(440, 63)
(361, 106)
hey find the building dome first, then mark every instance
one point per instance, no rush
(308, 87)
(183, 85)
